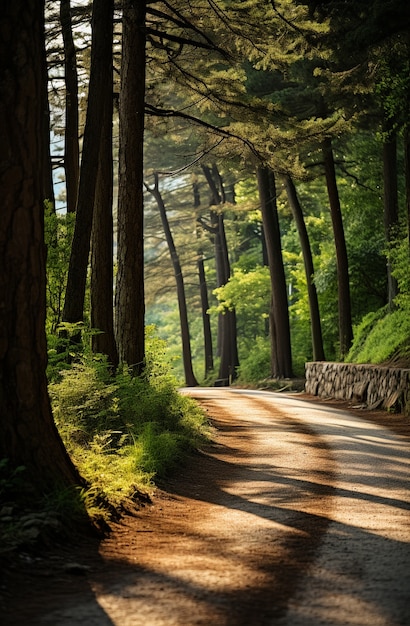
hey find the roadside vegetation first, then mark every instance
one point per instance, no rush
(124, 432)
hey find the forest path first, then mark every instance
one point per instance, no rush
(297, 514)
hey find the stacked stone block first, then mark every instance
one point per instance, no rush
(371, 385)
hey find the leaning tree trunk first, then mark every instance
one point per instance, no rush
(28, 435)
(316, 328)
(129, 297)
(281, 352)
(190, 379)
(71, 143)
(391, 206)
(344, 303)
(100, 74)
(102, 270)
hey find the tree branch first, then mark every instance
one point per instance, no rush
(182, 22)
(151, 110)
(193, 162)
(162, 35)
(206, 226)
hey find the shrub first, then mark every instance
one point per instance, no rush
(123, 431)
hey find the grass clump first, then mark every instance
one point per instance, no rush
(125, 432)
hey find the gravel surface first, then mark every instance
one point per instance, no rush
(297, 514)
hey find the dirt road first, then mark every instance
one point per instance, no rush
(298, 514)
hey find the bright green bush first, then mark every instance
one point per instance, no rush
(161, 451)
(123, 431)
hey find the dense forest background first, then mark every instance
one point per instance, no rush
(221, 191)
(301, 107)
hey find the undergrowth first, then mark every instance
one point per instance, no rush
(384, 336)
(124, 432)
(381, 337)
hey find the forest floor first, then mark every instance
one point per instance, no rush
(213, 547)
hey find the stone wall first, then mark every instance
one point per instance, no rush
(372, 385)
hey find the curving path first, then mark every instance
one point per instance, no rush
(298, 514)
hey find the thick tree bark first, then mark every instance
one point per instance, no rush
(100, 74)
(71, 143)
(102, 270)
(344, 303)
(190, 380)
(281, 352)
(316, 327)
(129, 298)
(28, 436)
(391, 205)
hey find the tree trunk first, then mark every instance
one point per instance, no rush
(281, 353)
(208, 349)
(229, 350)
(203, 290)
(275, 364)
(100, 74)
(391, 205)
(28, 435)
(227, 338)
(344, 304)
(316, 328)
(102, 270)
(129, 297)
(190, 380)
(71, 144)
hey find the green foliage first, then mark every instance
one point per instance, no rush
(159, 451)
(381, 337)
(70, 504)
(392, 86)
(256, 365)
(399, 256)
(248, 292)
(58, 234)
(385, 334)
(121, 430)
(64, 348)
